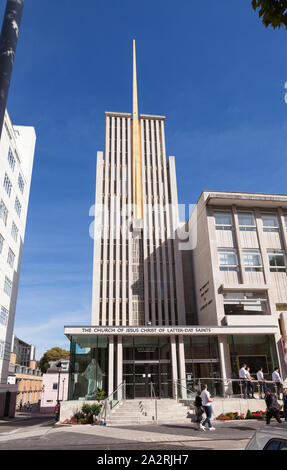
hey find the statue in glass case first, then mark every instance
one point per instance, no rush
(94, 375)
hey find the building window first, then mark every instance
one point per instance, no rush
(223, 220)
(2, 349)
(14, 232)
(10, 258)
(270, 223)
(277, 261)
(11, 159)
(3, 212)
(55, 386)
(227, 259)
(245, 303)
(21, 183)
(7, 286)
(7, 185)
(246, 222)
(252, 260)
(18, 206)
(4, 316)
(1, 243)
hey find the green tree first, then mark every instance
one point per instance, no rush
(272, 12)
(53, 354)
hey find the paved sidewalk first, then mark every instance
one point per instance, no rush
(228, 435)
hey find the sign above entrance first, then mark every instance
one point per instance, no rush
(168, 330)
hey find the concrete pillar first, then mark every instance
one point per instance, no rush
(111, 366)
(174, 365)
(182, 374)
(120, 361)
(225, 365)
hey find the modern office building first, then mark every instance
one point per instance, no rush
(168, 308)
(16, 162)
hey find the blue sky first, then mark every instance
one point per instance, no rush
(211, 67)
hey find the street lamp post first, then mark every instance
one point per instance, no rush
(59, 365)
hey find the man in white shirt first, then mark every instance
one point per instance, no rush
(261, 383)
(250, 385)
(206, 403)
(278, 381)
(243, 377)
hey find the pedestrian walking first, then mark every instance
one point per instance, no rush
(206, 403)
(250, 384)
(57, 411)
(261, 383)
(243, 378)
(285, 403)
(199, 409)
(20, 405)
(28, 407)
(278, 381)
(273, 407)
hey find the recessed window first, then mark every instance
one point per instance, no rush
(55, 386)
(10, 258)
(1, 243)
(21, 183)
(252, 260)
(223, 218)
(4, 316)
(7, 185)
(2, 349)
(14, 231)
(18, 206)
(227, 259)
(277, 261)
(246, 222)
(7, 286)
(270, 223)
(11, 159)
(3, 212)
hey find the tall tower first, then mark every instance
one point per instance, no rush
(137, 277)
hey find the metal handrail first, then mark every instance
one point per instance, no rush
(108, 402)
(153, 395)
(178, 382)
(227, 382)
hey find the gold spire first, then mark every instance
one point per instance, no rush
(136, 157)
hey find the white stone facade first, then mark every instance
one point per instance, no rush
(136, 280)
(16, 162)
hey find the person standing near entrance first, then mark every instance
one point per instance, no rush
(243, 377)
(273, 408)
(278, 381)
(261, 383)
(206, 403)
(250, 384)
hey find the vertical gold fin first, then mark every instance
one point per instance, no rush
(136, 158)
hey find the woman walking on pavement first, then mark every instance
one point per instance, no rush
(206, 403)
(199, 409)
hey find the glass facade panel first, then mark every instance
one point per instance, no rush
(256, 351)
(200, 347)
(88, 367)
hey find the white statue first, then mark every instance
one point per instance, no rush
(94, 376)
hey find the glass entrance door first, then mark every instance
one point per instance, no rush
(145, 374)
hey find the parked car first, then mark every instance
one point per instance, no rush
(269, 437)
